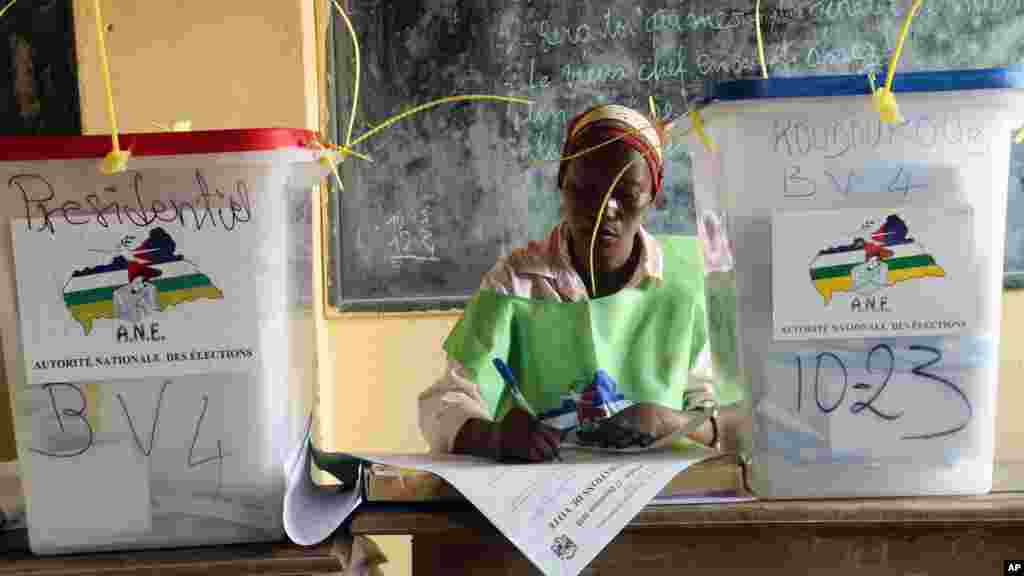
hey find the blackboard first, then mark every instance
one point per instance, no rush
(39, 93)
(454, 188)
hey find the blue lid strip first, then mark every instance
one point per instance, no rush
(857, 84)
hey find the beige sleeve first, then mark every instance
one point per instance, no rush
(447, 405)
(454, 398)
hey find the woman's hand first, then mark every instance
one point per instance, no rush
(525, 439)
(651, 419)
(659, 421)
(517, 438)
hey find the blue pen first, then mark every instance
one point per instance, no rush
(517, 394)
(510, 381)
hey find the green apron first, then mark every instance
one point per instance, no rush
(646, 338)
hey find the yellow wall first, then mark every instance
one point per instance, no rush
(1010, 426)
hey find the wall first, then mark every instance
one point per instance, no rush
(1009, 426)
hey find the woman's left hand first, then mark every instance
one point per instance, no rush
(654, 420)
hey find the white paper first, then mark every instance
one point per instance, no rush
(559, 514)
(86, 313)
(312, 513)
(862, 273)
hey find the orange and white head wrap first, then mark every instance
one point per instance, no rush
(629, 126)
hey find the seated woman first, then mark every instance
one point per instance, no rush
(634, 325)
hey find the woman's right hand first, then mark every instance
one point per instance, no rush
(518, 437)
(524, 439)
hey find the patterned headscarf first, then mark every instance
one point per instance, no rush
(636, 130)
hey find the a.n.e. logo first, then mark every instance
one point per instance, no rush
(1015, 567)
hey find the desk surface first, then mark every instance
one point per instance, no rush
(992, 509)
(882, 537)
(247, 559)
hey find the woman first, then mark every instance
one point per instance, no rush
(638, 315)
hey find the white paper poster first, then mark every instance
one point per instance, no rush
(871, 273)
(114, 300)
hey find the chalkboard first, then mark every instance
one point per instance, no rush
(39, 94)
(452, 189)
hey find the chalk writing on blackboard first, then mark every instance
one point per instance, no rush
(882, 372)
(411, 239)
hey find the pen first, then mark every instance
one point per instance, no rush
(517, 394)
(510, 381)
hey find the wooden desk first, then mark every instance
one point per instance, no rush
(242, 559)
(953, 535)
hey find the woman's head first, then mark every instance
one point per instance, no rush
(634, 158)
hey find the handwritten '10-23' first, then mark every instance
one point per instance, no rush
(921, 370)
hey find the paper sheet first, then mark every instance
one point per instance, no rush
(311, 512)
(559, 514)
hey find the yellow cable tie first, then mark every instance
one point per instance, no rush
(117, 159)
(7, 7)
(1018, 135)
(345, 152)
(883, 99)
(760, 40)
(334, 170)
(355, 86)
(432, 104)
(600, 218)
(697, 124)
(114, 162)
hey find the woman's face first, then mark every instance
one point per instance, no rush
(585, 184)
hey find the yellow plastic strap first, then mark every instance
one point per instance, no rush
(1018, 136)
(329, 159)
(342, 152)
(355, 87)
(117, 159)
(600, 217)
(882, 98)
(760, 40)
(438, 102)
(7, 7)
(698, 126)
